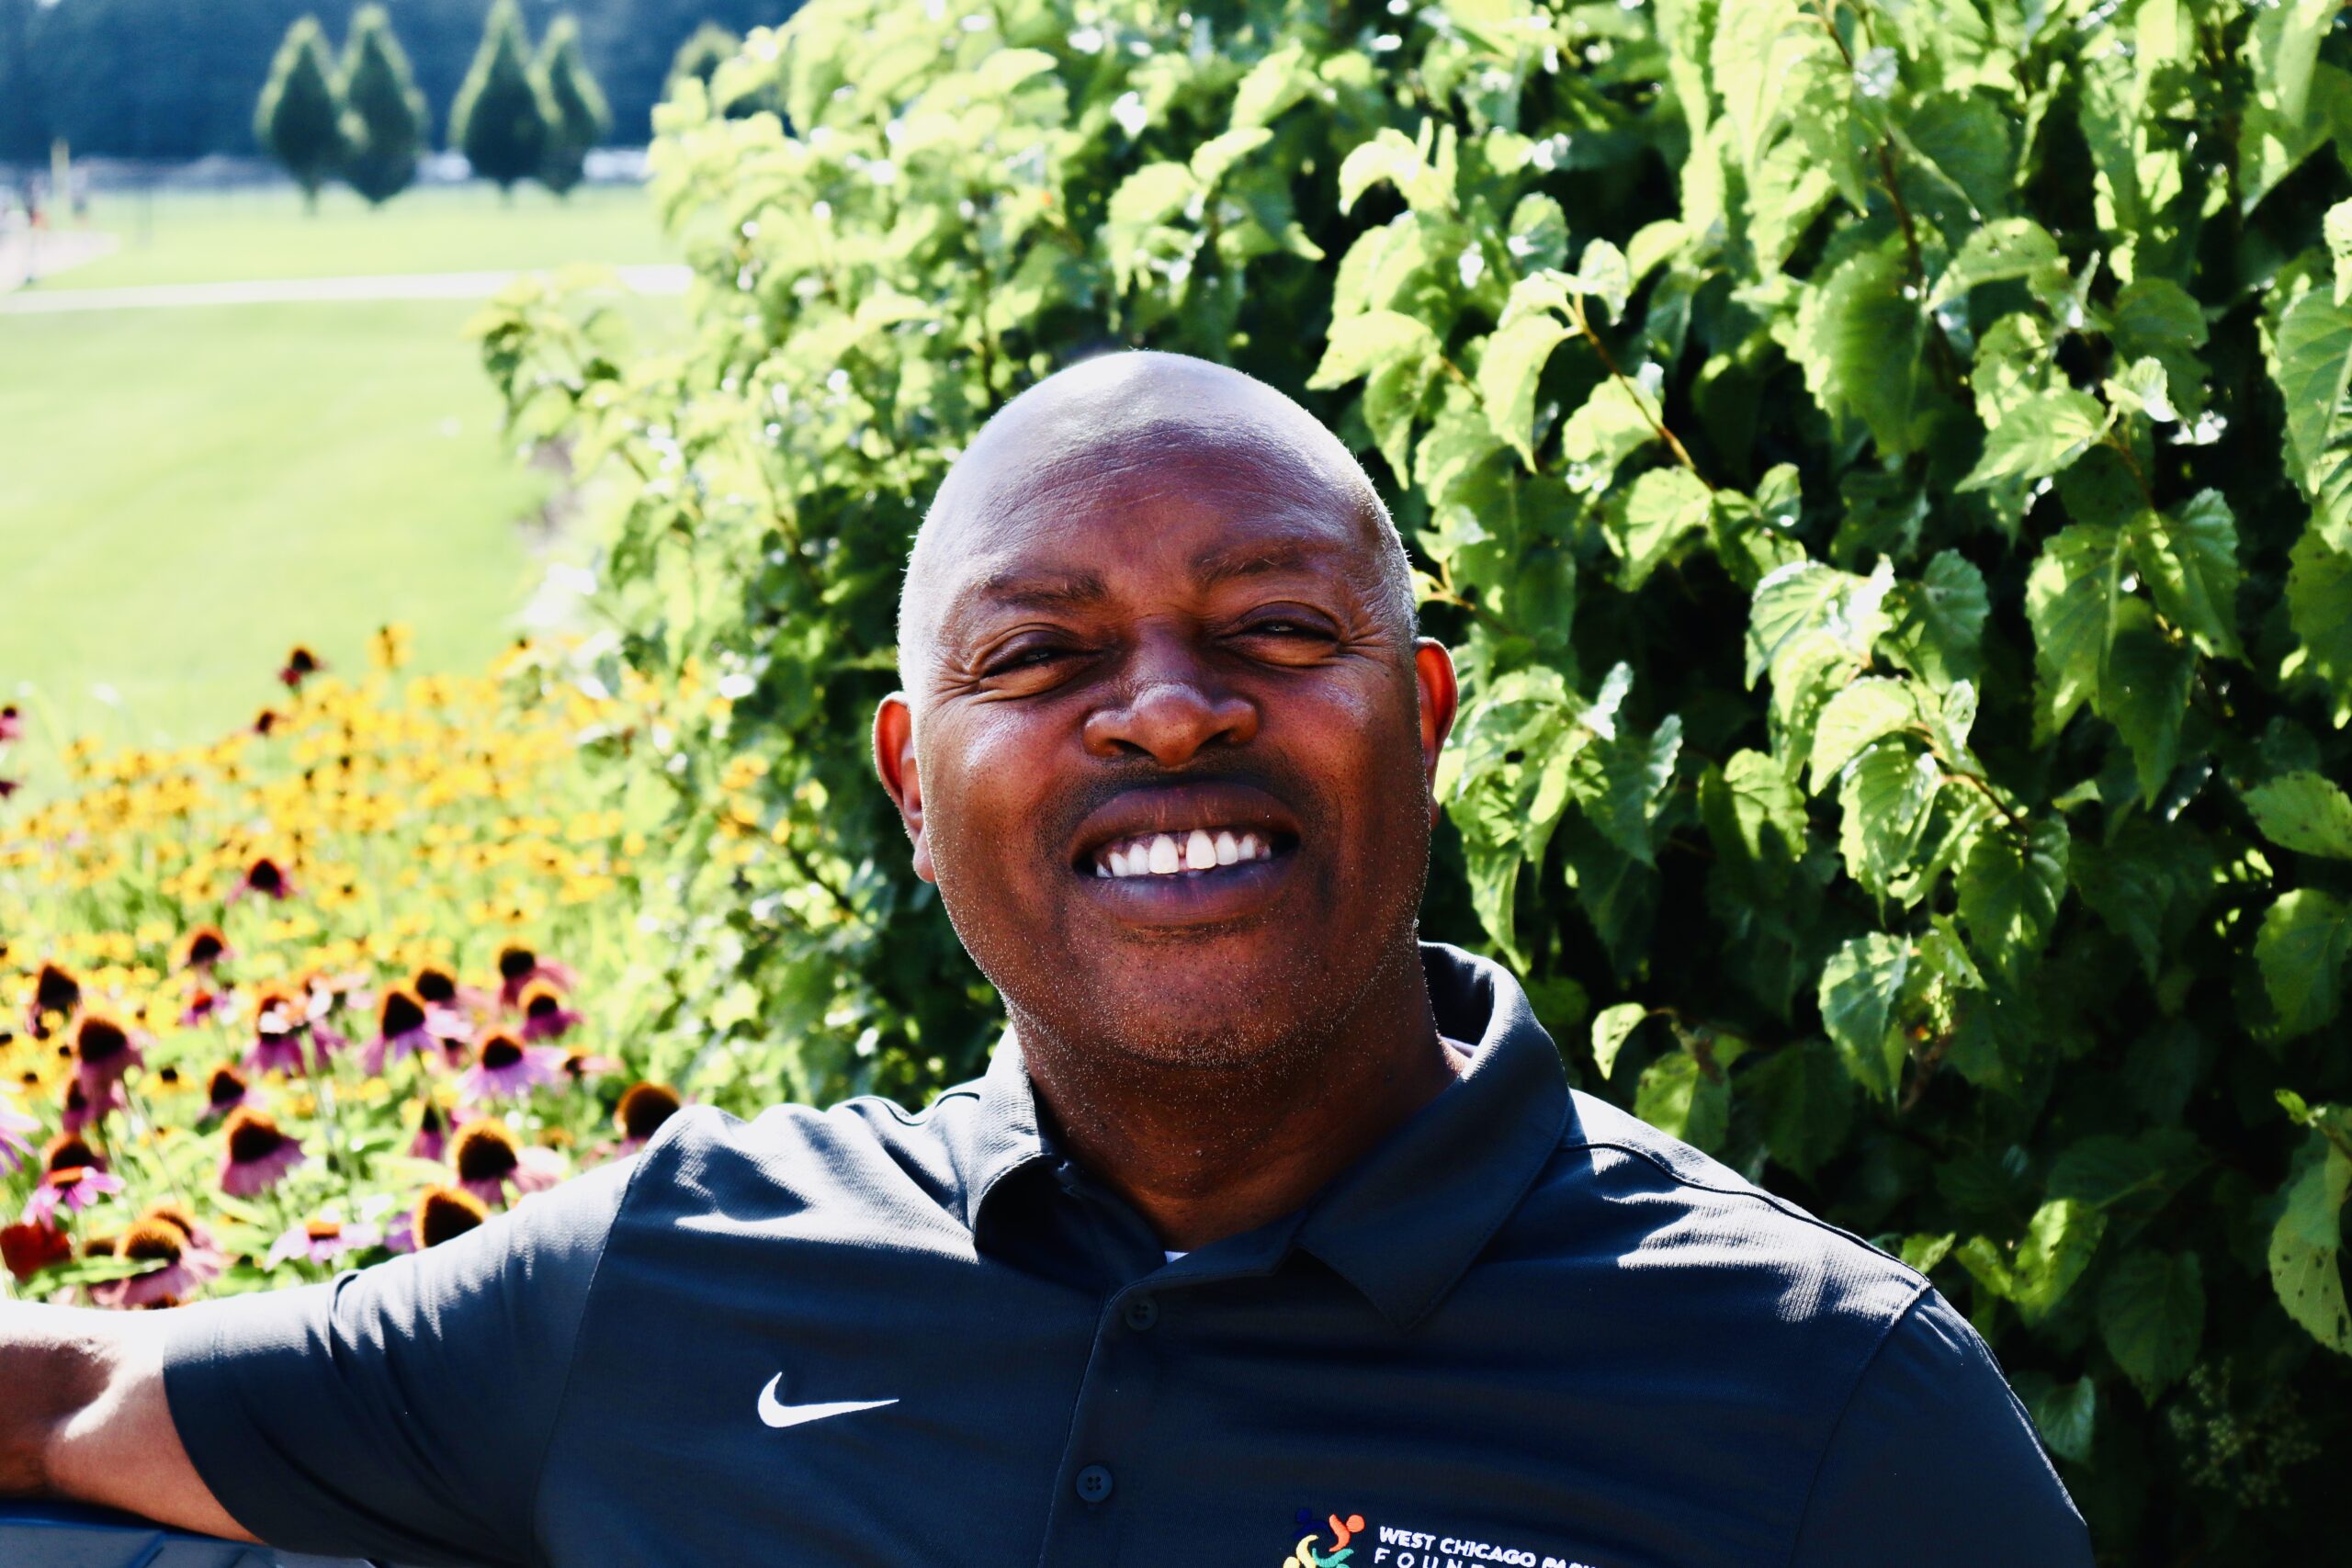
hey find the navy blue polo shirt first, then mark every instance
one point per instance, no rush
(1526, 1329)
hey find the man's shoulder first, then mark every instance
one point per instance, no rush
(1674, 1231)
(864, 1152)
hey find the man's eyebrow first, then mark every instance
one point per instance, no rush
(1024, 590)
(1261, 557)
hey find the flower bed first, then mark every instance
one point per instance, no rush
(329, 988)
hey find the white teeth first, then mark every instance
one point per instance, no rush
(1172, 855)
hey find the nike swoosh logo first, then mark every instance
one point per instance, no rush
(775, 1412)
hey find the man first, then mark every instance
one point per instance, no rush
(1270, 1237)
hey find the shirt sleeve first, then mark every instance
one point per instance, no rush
(1934, 1464)
(401, 1412)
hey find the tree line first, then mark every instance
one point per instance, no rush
(516, 115)
(176, 79)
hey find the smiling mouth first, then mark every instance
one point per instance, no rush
(1194, 853)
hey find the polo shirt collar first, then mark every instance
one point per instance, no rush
(1402, 1223)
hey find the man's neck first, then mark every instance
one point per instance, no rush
(1205, 1153)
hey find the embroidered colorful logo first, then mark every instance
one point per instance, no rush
(1305, 1556)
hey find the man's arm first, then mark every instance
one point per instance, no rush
(85, 1419)
(1934, 1464)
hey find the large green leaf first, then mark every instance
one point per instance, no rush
(2152, 1315)
(2307, 1245)
(2301, 948)
(1888, 795)
(2314, 364)
(2303, 812)
(1865, 712)
(2010, 886)
(1857, 337)
(2189, 558)
(2318, 605)
(2074, 598)
(1860, 988)
(2038, 436)
(1682, 1100)
(1664, 506)
(2044, 1264)
(1512, 364)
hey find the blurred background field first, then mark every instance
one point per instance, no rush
(188, 488)
(205, 236)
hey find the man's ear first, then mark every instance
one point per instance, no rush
(894, 759)
(1441, 701)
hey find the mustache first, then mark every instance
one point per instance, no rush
(1294, 790)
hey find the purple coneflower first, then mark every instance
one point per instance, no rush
(75, 1186)
(202, 948)
(280, 1021)
(56, 995)
(505, 1066)
(224, 1092)
(544, 1015)
(13, 1145)
(443, 1213)
(264, 877)
(437, 987)
(258, 1155)
(322, 1241)
(82, 1111)
(582, 1065)
(519, 967)
(487, 1158)
(12, 723)
(642, 1113)
(402, 1029)
(103, 1052)
(432, 1140)
(181, 1267)
(69, 1149)
(301, 665)
(203, 1005)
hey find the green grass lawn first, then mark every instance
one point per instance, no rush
(186, 493)
(190, 492)
(220, 236)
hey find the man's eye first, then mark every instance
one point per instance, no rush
(1031, 658)
(1284, 627)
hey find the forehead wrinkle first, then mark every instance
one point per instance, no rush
(1016, 589)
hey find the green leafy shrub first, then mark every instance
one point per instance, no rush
(1886, 470)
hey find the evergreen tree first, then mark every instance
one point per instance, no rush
(388, 123)
(502, 116)
(701, 55)
(299, 118)
(580, 116)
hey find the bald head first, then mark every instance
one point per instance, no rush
(1151, 428)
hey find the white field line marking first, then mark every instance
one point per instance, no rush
(664, 280)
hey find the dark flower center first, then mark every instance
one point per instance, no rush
(484, 1153)
(227, 1085)
(431, 1122)
(401, 1013)
(541, 1005)
(205, 946)
(154, 1241)
(56, 990)
(645, 1107)
(69, 1150)
(172, 1215)
(322, 1230)
(445, 1213)
(500, 1051)
(264, 876)
(254, 1138)
(437, 986)
(516, 962)
(101, 1041)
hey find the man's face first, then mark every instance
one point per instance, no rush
(1171, 772)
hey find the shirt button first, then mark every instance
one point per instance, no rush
(1141, 1312)
(1093, 1483)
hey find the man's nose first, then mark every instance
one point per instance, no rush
(1170, 706)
